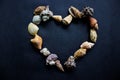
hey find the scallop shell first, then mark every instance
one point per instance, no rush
(37, 41)
(39, 9)
(57, 18)
(59, 65)
(93, 23)
(87, 45)
(67, 20)
(80, 53)
(32, 29)
(75, 12)
(93, 35)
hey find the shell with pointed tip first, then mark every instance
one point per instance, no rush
(59, 65)
(32, 29)
(79, 53)
(87, 45)
(57, 18)
(75, 12)
(67, 20)
(39, 9)
(93, 35)
(37, 41)
(93, 23)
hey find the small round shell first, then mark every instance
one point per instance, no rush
(36, 19)
(32, 29)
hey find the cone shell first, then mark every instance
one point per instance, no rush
(57, 18)
(87, 45)
(39, 9)
(79, 53)
(37, 41)
(93, 23)
(75, 12)
(67, 20)
(93, 35)
(59, 65)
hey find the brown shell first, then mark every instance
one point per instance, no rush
(37, 41)
(75, 12)
(57, 18)
(59, 65)
(39, 9)
(93, 35)
(93, 23)
(79, 53)
(67, 20)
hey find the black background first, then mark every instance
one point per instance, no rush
(19, 60)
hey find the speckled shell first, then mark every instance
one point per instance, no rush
(79, 53)
(37, 41)
(93, 35)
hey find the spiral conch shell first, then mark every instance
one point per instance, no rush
(67, 20)
(37, 41)
(87, 45)
(93, 23)
(75, 12)
(57, 18)
(59, 65)
(79, 53)
(93, 35)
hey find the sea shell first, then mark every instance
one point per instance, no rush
(37, 41)
(70, 63)
(59, 65)
(93, 35)
(93, 23)
(39, 9)
(75, 12)
(32, 29)
(45, 52)
(67, 20)
(57, 18)
(36, 19)
(50, 60)
(87, 45)
(87, 11)
(80, 53)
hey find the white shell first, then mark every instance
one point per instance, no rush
(52, 63)
(45, 52)
(36, 19)
(87, 45)
(32, 29)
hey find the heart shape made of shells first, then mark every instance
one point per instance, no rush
(43, 14)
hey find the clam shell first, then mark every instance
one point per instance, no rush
(37, 41)
(39, 9)
(32, 29)
(93, 35)
(57, 18)
(67, 20)
(80, 53)
(75, 12)
(93, 23)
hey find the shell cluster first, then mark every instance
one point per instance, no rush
(43, 14)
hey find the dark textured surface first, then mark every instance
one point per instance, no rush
(19, 60)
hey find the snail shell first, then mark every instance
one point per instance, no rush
(37, 41)
(75, 12)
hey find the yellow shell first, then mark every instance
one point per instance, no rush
(57, 18)
(37, 41)
(93, 35)
(79, 53)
